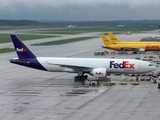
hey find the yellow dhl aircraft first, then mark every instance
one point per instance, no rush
(117, 45)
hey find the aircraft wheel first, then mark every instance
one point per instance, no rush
(86, 76)
(75, 78)
(78, 78)
(82, 78)
(134, 52)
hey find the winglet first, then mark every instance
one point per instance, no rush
(22, 51)
(106, 40)
(113, 38)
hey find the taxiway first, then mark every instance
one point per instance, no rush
(30, 94)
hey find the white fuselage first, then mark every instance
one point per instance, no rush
(88, 64)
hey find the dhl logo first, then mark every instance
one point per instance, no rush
(114, 39)
(152, 47)
(106, 41)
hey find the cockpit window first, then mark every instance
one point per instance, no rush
(150, 64)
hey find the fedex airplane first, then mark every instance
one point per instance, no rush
(82, 66)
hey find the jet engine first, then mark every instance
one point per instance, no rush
(99, 72)
(141, 50)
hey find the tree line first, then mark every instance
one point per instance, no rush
(81, 23)
(18, 22)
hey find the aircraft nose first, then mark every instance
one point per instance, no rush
(154, 67)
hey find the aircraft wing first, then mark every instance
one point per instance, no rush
(135, 49)
(130, 48)
(127, 48)
(73, 66)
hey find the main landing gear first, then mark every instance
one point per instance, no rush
(134, 52)
(122, 51)
(80, 78)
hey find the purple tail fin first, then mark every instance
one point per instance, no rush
(22, 51)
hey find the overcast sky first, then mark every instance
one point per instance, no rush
(79, 10)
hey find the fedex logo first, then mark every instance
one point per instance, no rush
(21, 50)
(124, 64)
(99, 73)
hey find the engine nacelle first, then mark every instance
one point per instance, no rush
(141, 50)
(99, 72)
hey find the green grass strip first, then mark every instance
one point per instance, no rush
(59, 32)
(4, 38)
(6, 50)
(59, 42)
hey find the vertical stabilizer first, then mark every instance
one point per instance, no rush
(22, 51)
(106, 40)
(113, 38)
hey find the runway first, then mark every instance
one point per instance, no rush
(30, 94)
